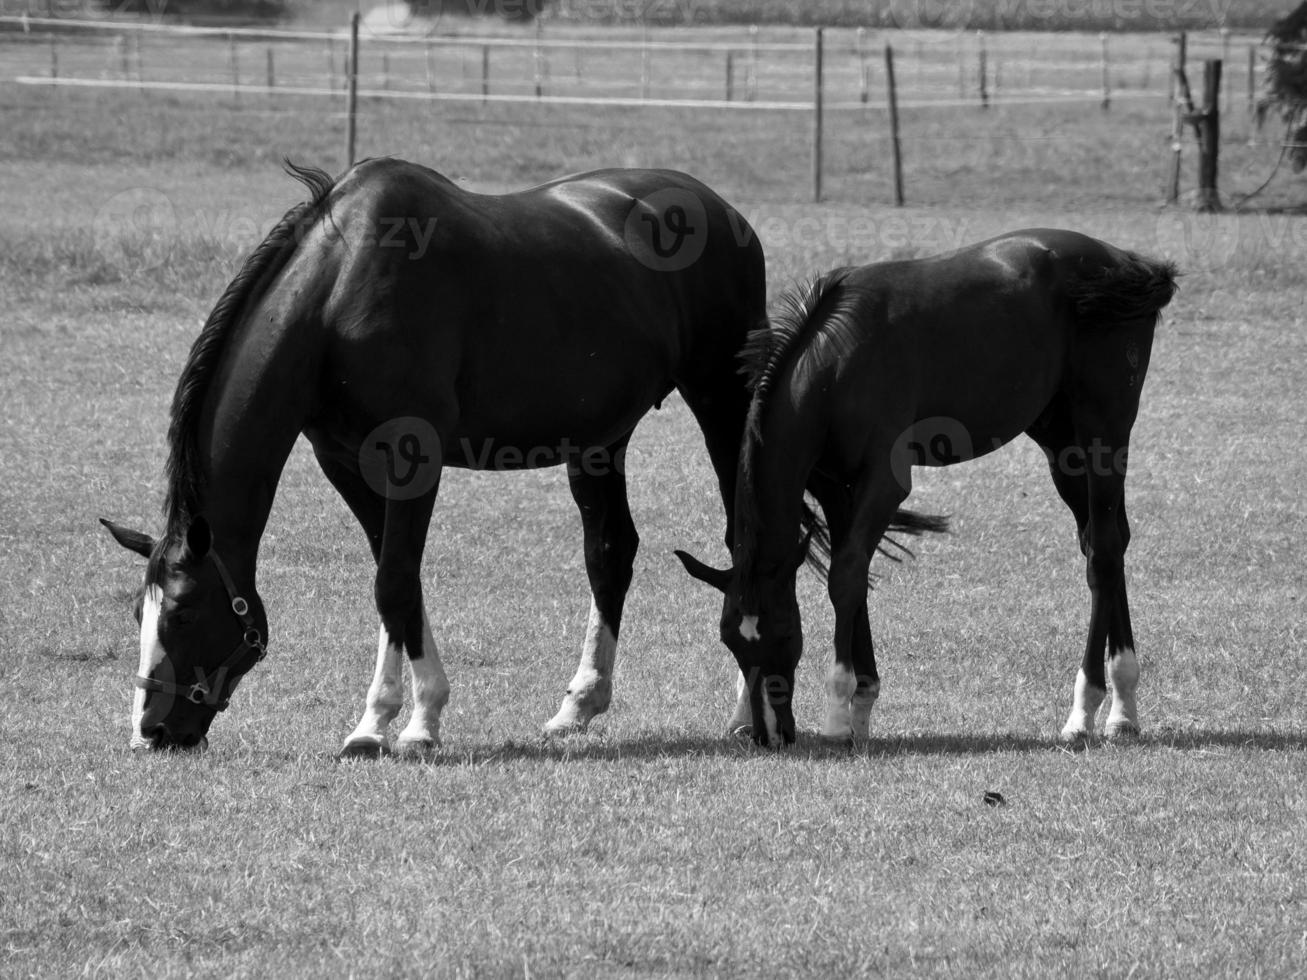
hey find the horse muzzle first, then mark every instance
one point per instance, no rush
(160, 738)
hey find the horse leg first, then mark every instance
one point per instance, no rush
(1090, 475)
(720, 410)
(857, 520)
(385, 696)
(610, 545)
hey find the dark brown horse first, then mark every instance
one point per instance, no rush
(867, 372)
(404, 325)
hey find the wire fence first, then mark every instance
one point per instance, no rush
(747, 71)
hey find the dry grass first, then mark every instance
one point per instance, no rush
(652, 846)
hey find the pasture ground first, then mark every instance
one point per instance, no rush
(654, 845)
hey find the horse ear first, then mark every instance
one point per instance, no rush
(718, 578)
(136, 541)
(199, 539)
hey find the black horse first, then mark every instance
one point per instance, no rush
(404, 325)
(866, 372)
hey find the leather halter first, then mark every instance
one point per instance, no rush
(200, 692)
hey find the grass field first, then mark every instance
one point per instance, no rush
(653, 846)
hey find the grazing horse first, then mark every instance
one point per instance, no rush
(404, 325)
(866, 372)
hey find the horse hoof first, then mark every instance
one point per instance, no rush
(1076, 738)
(1122, 730)
(741, 731)
(416, 749)
(562, 729)
(362, 749)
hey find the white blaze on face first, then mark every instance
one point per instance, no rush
(152, 654)
(749, 629)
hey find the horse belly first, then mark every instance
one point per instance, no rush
(1000, 387)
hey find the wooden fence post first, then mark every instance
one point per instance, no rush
(893, 97)
(1107, 78)
(753, 63)
(984, 72)
(235, 66)
(351, 126)
(1252, 84)
(816, 114)
(1209, 129)
(863, 72)
(272, 70)
(485, 70)
(1177, 117)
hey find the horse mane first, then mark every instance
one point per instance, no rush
(795, 318)
(816, 314)
(183, 470)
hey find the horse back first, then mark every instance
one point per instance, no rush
(599, 292)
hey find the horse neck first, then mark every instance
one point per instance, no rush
(769, 500)
(252, 414)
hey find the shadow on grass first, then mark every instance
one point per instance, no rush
(812, 748)
(809, 748)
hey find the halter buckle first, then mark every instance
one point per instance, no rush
(239, 606)
(197, 693)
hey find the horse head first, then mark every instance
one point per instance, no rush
(199, 636)
(763, 629)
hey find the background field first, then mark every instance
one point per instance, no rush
(654, 845)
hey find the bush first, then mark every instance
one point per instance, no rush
(193, 10)
(511, 10)
(1286, 81)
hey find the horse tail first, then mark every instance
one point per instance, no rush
(908, 522)
(1130, 288)
(260, 266)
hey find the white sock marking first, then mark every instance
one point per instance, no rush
(743, 716)
(1123, 678)
(862, 702)
(840, 685)
(385, 694)
(769, 719)
(591, 687)
(430, 693)
(1084, 706)
(152, 654)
